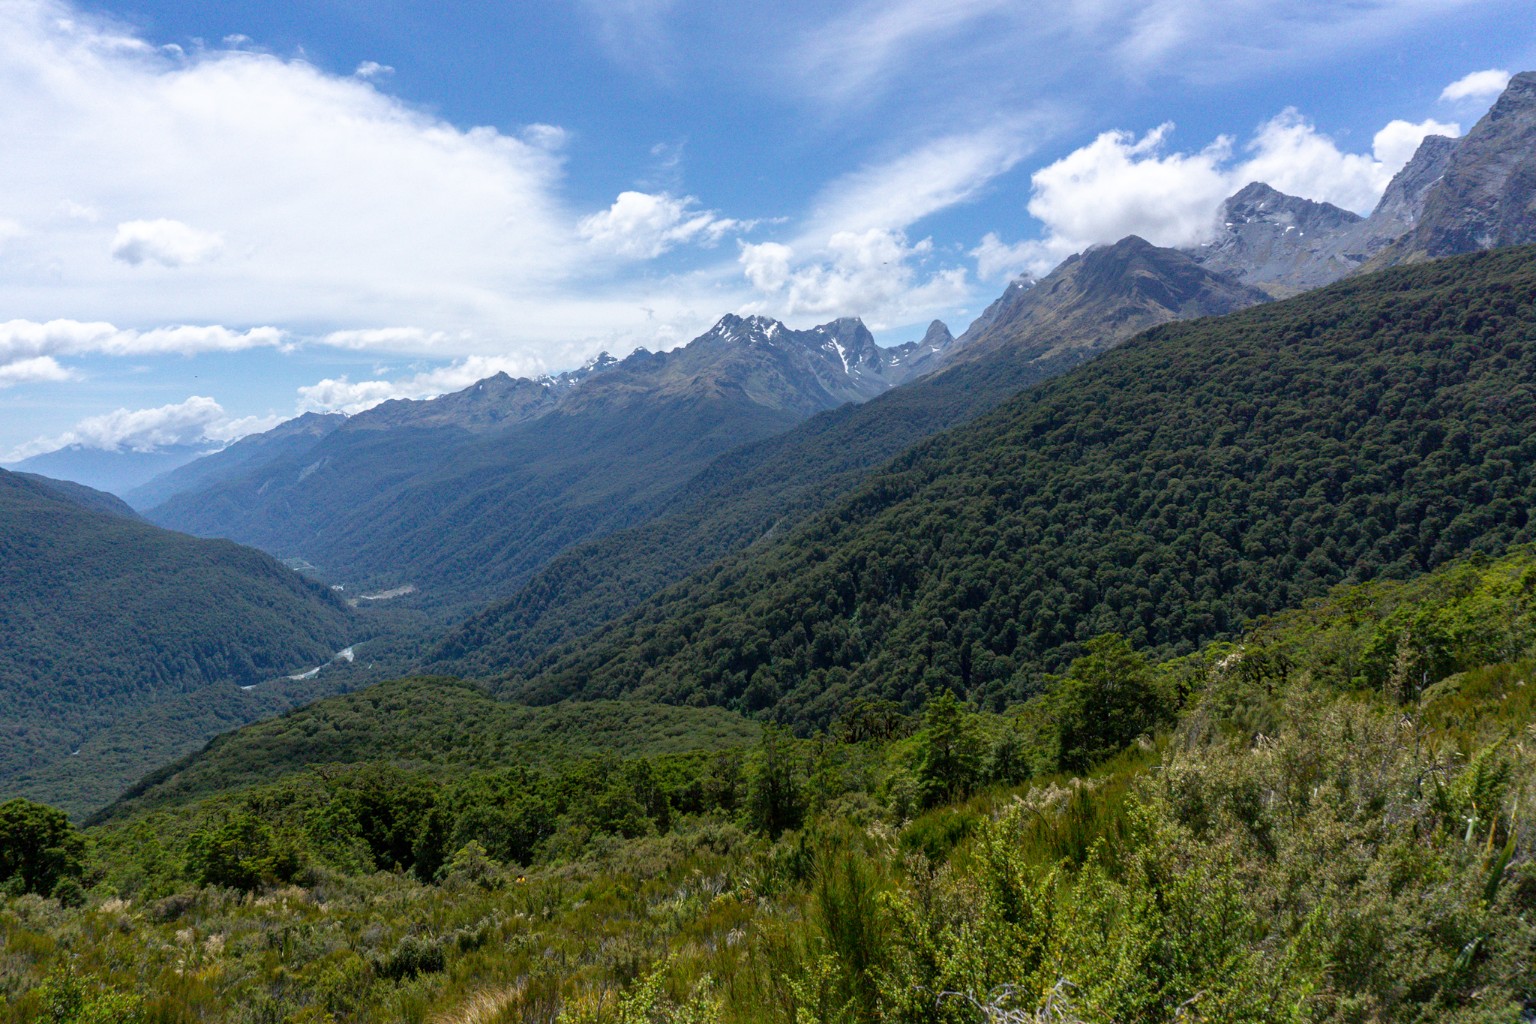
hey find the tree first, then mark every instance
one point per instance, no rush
(39, 848)
(775, 802)
(1106, 700)
(949, 758)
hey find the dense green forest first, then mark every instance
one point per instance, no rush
(1172, 490)
(763, 490)
(104, 614)
(1320, 821)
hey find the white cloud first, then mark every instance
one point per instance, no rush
(874, 274)
(337, 204)
(373, 69)
(389, 339)
(143, 430)
(26, 338)
(343, 395)
(997, 260)
(852, 255)
(1395, 144)
(1122, 185)
(971, 54)
(1479, 85)
(1119, 185)
(37, 370)
(640, 225)
(169, 243)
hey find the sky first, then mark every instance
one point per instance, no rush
(214, 217)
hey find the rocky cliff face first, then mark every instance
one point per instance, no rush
(1454, 196)
(1486, 196)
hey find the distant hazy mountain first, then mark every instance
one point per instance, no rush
(1454, 196)
(294, 435)
(466, 495)
(1031, 333)
(117, 471)
(104, 618)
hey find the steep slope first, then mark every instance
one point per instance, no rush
(1486, 195)
(1454, 196)
(295, 435)
(1098, 298)
(79, 494)
(104, 616)
(1171, 490)
(465, 496)
(1030, 334)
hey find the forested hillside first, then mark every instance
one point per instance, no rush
(1030, 334)
(465, 496)
(1319, 823)
(103, 615)
(1201, 476)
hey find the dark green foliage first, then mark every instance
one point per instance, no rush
(775, 802)
(240, 852)
(444, 722)
(39, 848)
(1190, 481)
(949, 759)
(1106, 700)
(119, 617)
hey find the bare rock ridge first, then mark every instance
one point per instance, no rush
(1486, 197)
(1454, 196)
(1279, 243)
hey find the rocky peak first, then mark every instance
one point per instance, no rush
(1486, 196)
(1261, 204)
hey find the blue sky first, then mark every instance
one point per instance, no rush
(213, 216)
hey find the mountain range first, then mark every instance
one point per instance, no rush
(624, 519)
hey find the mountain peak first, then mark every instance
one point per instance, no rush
(1485, 196)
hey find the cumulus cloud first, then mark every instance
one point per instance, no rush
(40, 369)
(996, 259)
(640, 225)
(873, 273)
(169, 243)
(1479, 85)
(373, 69)
(853, 256)
(1122, 185)
(336, 203)
(348, 396)
(143, 430)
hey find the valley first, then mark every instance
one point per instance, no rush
(1160, 648)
